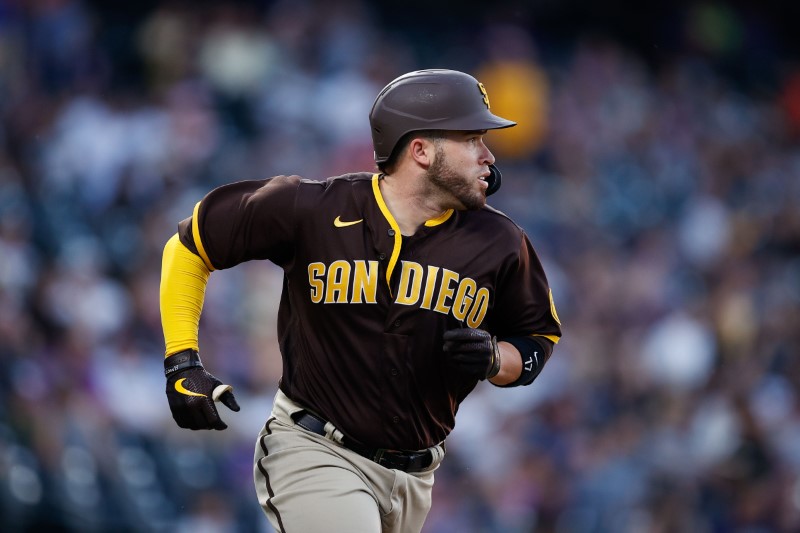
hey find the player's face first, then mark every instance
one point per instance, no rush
(459, 170)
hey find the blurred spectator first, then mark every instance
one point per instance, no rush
(519, 89)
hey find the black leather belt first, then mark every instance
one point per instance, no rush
(405, 461)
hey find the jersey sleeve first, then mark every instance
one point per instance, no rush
(243, 221)
(524, 305)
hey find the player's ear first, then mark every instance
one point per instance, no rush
(422, 150)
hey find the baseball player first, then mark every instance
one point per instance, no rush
(402, 290)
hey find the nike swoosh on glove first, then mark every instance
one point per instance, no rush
(192, 392)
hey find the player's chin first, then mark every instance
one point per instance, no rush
(473, 202)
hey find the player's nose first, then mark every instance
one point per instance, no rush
(487, 157)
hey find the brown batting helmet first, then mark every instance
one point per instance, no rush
(435, 99)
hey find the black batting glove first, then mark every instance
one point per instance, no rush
(473, 352)
(192, 391)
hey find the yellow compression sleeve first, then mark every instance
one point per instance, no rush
(184, 277)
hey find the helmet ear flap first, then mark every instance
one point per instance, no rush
(493, 180)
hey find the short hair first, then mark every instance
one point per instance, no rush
(387, 167)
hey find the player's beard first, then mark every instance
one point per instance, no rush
(445, 179)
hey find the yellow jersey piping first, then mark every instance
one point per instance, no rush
(398, 238)
(440, 219)
(553, 338)
(198, 243)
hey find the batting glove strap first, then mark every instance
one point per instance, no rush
(180, 361)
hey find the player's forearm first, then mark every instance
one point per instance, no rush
(184, 277)
(510, 364)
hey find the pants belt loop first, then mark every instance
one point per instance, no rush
(437, 452)
(333, 434)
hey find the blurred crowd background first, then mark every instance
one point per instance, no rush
(656, 169)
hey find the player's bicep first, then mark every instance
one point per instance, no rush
(524, 304)
(243, 221)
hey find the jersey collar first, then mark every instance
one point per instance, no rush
(398, 238)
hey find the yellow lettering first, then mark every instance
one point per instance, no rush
(315, 272)
(338, 282)
(464, 296)
(461, 297)
(365, 282)
(445, 291)
(479, 308)
(410, 283)
(430, 284)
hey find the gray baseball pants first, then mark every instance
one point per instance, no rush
(307, 483)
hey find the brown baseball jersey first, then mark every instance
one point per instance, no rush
(363, 308)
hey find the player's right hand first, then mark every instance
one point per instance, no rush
(191, 392)
(472, 351)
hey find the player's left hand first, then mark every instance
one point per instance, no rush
(473, 352)
(192, 393)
